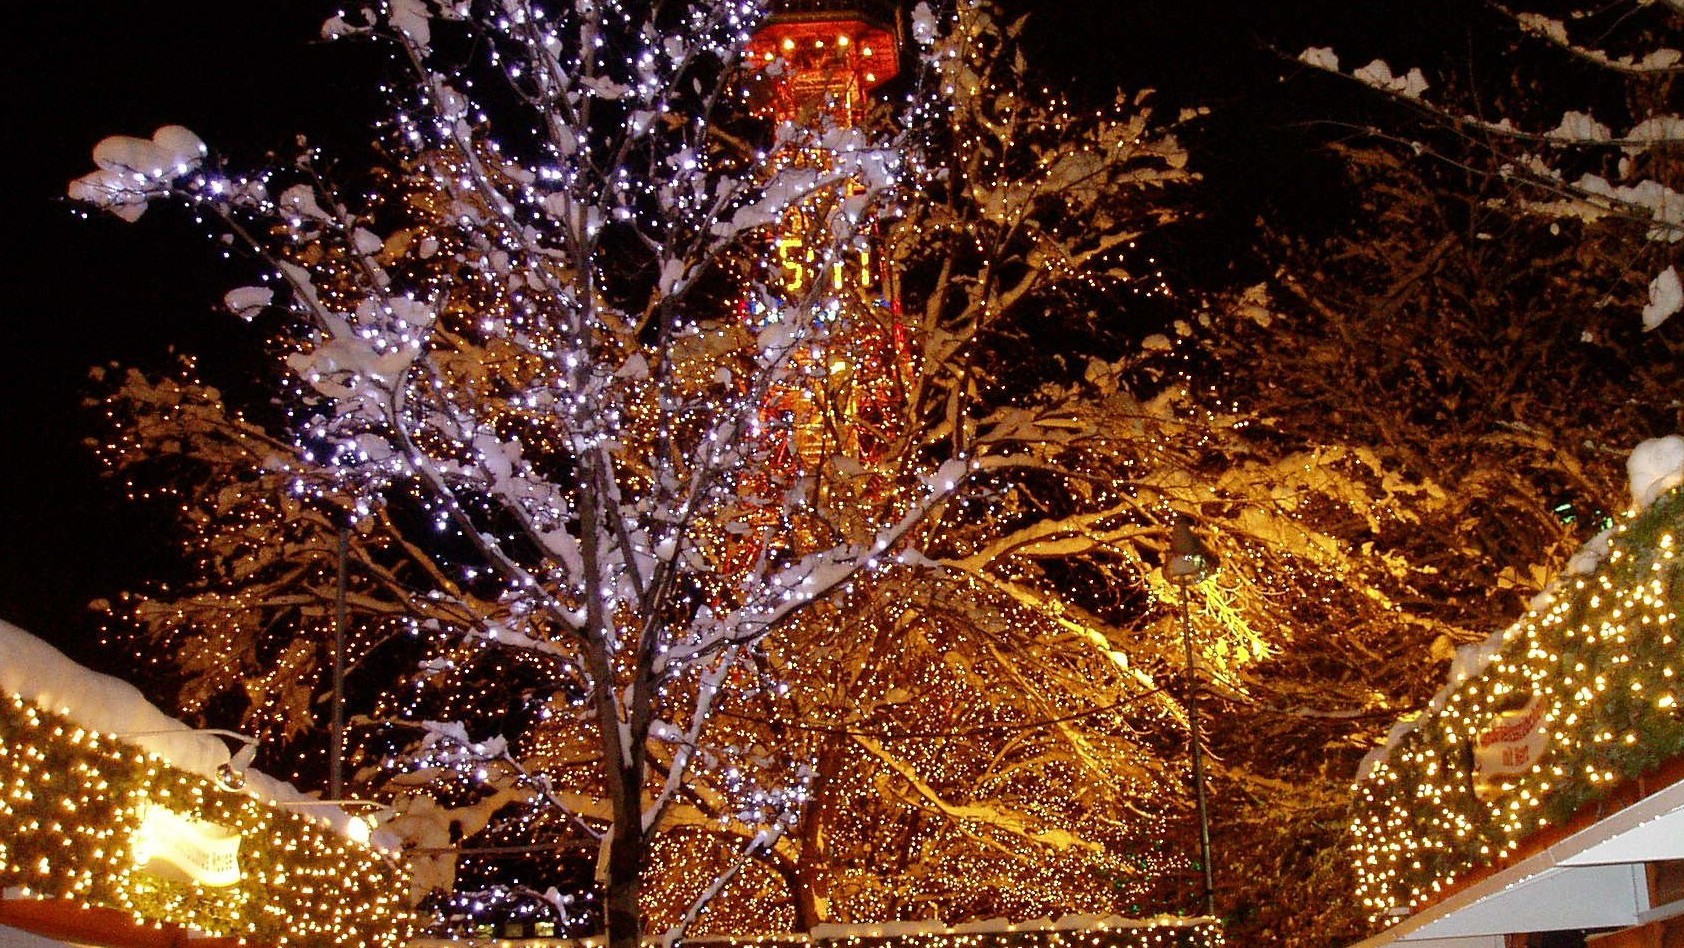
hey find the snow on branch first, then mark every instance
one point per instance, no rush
(545, 355)
(1574, 164)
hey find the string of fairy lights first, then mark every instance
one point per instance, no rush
(1170, 933)
(520, 354)
(1090, 932)
(73, 800)
(969, 882)
(924, 709)
(1600, 664)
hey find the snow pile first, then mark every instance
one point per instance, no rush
(1378, 74)
(247, 301)
(132, 170)
(1660, 203)
(46, 677)
(987, 926)
(1580, 127)
(42, 675)
(1654, 467)
(1321, 57)
(1666, 296)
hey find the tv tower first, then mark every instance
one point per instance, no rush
(815, 63)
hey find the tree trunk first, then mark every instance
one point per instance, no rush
(622, 753)
(812, 869)
(623, 885)
(812, 895)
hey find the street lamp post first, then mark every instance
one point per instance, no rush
(336, 727)
(1185, 567)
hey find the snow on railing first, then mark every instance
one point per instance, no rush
(1070, 931)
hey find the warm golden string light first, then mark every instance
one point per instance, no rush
(72, 799)
(1165, 932)
(1602, 660)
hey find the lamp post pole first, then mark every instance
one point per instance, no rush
(1185, 567)
(1198, 754)
(336, 729)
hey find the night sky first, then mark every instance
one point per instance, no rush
(88, 292)
(248, 76)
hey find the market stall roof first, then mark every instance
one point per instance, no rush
(41, 674)
(183, 844)
(1567, 860)
(1593, 878)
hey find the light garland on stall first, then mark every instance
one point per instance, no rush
(1601, 661)
(1153, 933)
(1111, 932)
(72, 800)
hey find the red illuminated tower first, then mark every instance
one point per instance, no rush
(815, 63)
(834, 53)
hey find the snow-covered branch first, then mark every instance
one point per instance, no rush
(1548, 147)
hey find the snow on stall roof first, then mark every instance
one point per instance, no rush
(842, 932)
(1653, 468)
(41, 674)
(45, 676)
(1656, 467)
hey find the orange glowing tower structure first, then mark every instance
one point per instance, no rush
(834, 52)
(815, 63)
(840, 401)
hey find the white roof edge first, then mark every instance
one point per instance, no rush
(1631, 819)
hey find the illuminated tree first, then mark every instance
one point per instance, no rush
(1019, 210)
(1494, 327)
(1477, 364)
(256, 619)
(550, 371)
(1025, 211)
(970, 761)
